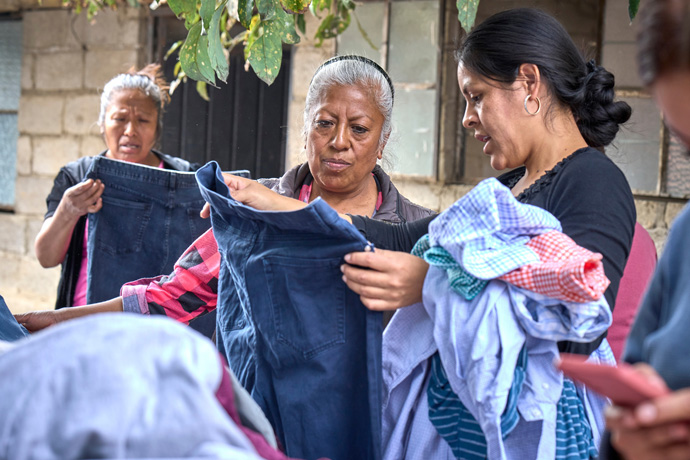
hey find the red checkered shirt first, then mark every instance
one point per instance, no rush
(566, 271)
(189, 291)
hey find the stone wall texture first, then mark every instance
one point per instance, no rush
(66, 61)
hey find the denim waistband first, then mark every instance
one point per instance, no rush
(149, 174)
(318, 217)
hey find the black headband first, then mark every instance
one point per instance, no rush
(354, 57)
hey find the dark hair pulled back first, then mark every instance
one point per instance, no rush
(497, 47)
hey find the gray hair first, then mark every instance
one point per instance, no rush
(351, 71)
(139, 82)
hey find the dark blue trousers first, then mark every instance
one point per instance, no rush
(10, 329)
(317, 350)
(149, 217)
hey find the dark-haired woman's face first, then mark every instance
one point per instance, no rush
(497, 115)
(672, 94)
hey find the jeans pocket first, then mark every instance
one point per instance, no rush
(197, 225)
(308, 303)
(122, 227)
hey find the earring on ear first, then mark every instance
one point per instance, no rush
(538, 104)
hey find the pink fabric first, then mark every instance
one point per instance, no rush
(80, 288)
(566, 271)
(226, 398)
(638, 271)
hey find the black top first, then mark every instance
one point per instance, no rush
(71, 174)
(586, 192)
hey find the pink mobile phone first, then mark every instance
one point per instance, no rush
(622, 384)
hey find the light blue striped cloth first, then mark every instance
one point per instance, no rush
(460, 281)
(456, 425)
(486, 230)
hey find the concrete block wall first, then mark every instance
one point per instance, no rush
(65, 63)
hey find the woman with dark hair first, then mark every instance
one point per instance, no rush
(543, 110)
(540, 108)
(657, 343)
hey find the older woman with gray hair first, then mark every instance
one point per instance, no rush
(347, 123)
(131, 121)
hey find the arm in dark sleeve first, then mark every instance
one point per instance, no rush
(62, 182)
(394, 237)
(596, 209)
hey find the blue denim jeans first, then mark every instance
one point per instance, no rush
(317, 350)
(149, 217)
(10, 329)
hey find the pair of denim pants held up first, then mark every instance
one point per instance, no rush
(315, 349)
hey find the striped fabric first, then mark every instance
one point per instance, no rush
(565, 271)
(573, 432)
(456, 425)
(460, 281)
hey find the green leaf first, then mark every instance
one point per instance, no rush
(245, 10)
(206, 11)
(287, 31)
(215, 48)
(188, 53)
(266, 52)
(202, 89)
(266, 8)
(364, 32)
(633, 6)
(172, 49)
(295, 6)
(180, 7)
(467, 13)
(301, 23)
(252, 35)
(203, 61)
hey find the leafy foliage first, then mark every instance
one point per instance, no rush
(633, 6)
(269, 25)
(467, 13)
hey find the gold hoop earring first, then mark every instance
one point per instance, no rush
(538, 105)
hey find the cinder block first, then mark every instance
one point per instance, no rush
(91, 146)
(52, 153)
(12, 234)
(81, 115)
(58, 71)
(649, 213)
(672, 211)
(114, 29)
(50, 29)
(27, 78)
(102, 66)
(40, 114)
(31, 193)
(24, 155)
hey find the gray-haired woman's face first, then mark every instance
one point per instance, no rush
(130, 126)
(343, 138)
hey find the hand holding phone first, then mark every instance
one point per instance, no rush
(623, 385)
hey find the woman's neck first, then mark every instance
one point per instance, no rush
(360, 201)
(556, 145)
